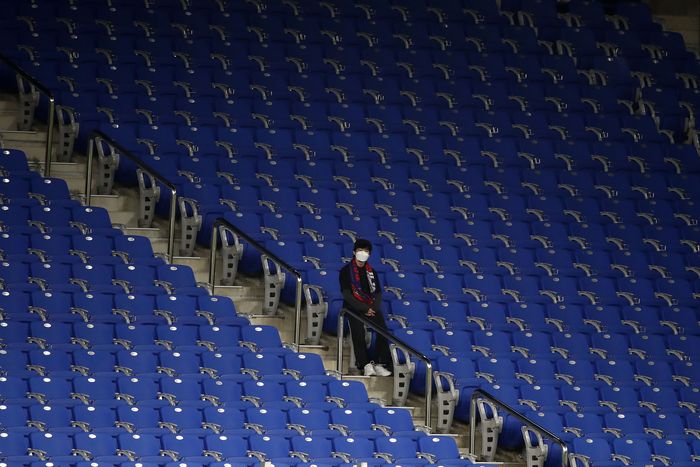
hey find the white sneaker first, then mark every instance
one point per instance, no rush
(369, 370)
(380, 370)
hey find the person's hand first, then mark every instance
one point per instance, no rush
(371, 312)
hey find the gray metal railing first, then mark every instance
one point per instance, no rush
(279, 261)
(480, 393)
(97, 136)
(52, 108)
(399, 343)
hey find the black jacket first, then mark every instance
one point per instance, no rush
(349, 300)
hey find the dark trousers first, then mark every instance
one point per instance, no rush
(381, 353)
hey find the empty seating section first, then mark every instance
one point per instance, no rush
(526, 175)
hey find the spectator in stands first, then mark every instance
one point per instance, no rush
(362, 293)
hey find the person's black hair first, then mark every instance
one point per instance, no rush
(362, 243)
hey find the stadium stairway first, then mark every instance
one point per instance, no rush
(247, 294)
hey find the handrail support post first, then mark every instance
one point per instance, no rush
(171, 224)
(297, 312)
(212, 257)
(341, 331)
(49, 137)
(88, 176)
(428, 393)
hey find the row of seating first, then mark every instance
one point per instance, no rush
(554, 348)
(622, 425)
(281, 26)
(555, 76)
(459, 278)
(457, 123)
(551, 75)
(586, 417)
(642, 234)
(486, 252)
(183, 358)
(633, 450)
(452, 21)
(60, 305)
(382, 186)
(140, 360)
(530, 229)
(636, 14)
(210, 57)
(537, 369)
(448, 21)
(233, 449)
(592, 335)
(190, 418)
(232, 391)
(462, 120)
(648, 166)
(644, 323)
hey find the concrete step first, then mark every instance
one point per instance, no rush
(74, 170)
(199, 261)
(252, 307)
(9, 102)
(127, 218)
(120, 199)
(159, 244)
(8, 119)
(26, 139)
(236, 292)
(151, 233)
(378, 384)
(73, 173)
(199, 265)
(32, 143)
(115, 202)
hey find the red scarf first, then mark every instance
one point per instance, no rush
(356, 286)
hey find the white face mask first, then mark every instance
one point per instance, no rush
(361, 256)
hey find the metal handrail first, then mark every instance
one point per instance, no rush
(97, 136)
(52, 109)
(480, 393)
(396, 341)
(258, 246)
